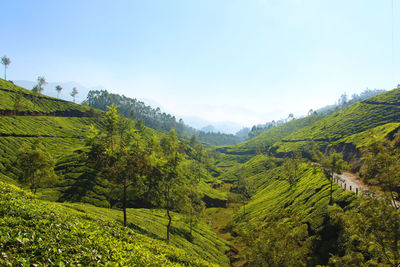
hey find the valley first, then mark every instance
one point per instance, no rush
(108, 188)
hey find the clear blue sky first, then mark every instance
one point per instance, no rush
(248, 61)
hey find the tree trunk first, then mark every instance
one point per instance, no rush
(124, 202)
(331, 200)
(5, 73)
(168, 214)
(169, 224)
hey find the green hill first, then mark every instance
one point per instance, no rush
(62, 127)
(34, 232)
(339, 126)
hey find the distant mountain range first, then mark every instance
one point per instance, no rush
(208, 126)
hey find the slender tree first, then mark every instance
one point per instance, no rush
(332, 164)
(38, 88)
(58, 89)
(41, 83)
(74, 93)
(6, 62)
(171, 183)
(245, 190)
(194, 207)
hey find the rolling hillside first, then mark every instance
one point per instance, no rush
(35, 232)
(63, 128)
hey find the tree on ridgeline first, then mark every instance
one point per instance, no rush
(39, 87)
(36, 165)
(74, 93)
(58, 89)
(6, 62)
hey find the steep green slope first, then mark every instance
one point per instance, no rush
(357, 118)
(269, 137)
(15, 99)
(34, 232)
(240, 153)
(275, 200)
(24, 116)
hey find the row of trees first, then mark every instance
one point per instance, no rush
(41, 82)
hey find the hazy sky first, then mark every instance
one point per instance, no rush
(247, 61)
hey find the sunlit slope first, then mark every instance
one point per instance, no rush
(38, 232)
(24, 116)
(15, 99)
(305, 200)
(269, 137)
(240, 153)
(273, 194)
(357, 118)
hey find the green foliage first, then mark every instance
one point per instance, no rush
(274, 199)
(368, 137)
(355, 119)
(154, 118)
(271, 136)
(40, 104)
(118, 154)
(332, 164)
(38, 88)
(291, 169)
(33, 232)
(74, 93)
(36, 165)
(283, 242)
(382, 168)
(369, 234)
